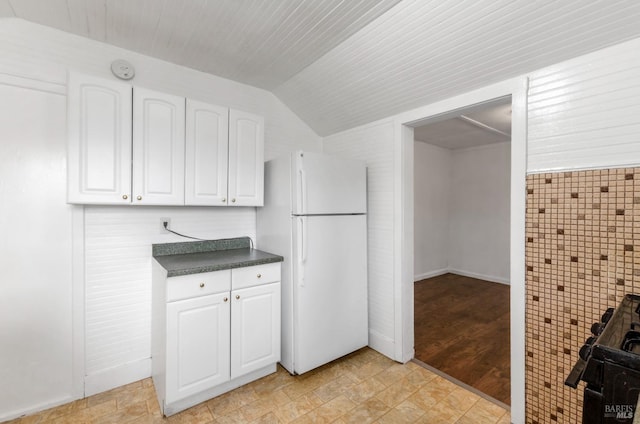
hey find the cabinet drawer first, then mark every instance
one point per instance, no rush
(254, 275)
(186, 286)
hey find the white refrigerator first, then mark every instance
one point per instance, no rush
(314, 215)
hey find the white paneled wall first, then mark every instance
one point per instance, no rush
(118, 276)
(36, 242)
(461, 211)
(584, 113)
(432, 191)
(374, 145)
(479, 224)
(117, 257)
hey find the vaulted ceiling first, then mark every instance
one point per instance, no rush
(342, 63)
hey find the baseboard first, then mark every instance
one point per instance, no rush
(183, 404)
(116, 377)
(491, 278)
(382, 344)
(438, 272)
(36, 408)
(430, 274)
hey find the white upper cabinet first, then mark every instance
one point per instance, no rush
(246, 159)
(207, 134)
(131, 145)
(158, 148)
(99, 148)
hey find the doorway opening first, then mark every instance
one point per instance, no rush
(462, 174)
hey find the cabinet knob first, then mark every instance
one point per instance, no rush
(224, 200)
(201, 285)
(259, 275)
(226, 299)
(237, 296)
(125, 197)
(139, 197)
(233, 200)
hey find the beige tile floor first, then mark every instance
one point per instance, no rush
(364, 387)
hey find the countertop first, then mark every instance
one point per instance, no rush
(207, 256)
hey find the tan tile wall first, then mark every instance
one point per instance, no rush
(582, 256)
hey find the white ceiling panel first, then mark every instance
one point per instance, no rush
(471, 128)
(342, 63)
(424, 51)
(54, 12)
(258, 42)
(6, 11)
(456, 134)
(496, 116)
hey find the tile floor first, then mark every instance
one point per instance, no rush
(364, 387)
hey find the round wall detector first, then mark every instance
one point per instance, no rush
(123, 69)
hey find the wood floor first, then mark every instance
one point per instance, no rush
(462, 329)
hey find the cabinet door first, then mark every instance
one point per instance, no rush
(197, 345)
(99, 148)
(207, 141)
(158, 148)
(246, 159)
(255, 331)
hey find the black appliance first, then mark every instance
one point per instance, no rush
(609, 363)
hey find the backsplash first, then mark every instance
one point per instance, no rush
(582, 256)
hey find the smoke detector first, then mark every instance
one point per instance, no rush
(123, 69)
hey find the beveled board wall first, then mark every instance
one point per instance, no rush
(372, 144)
(583, 116)
(112, 256)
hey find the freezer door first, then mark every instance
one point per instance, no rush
(330, 288)
(328, 185)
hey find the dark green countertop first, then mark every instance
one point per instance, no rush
(207, 256)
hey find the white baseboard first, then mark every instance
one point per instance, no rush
(430, 274)
(116, 377)
(438, 272)
(183, 404)
(491, 278)
(382, 344)
(36, 408)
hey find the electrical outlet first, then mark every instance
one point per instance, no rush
(164, 229)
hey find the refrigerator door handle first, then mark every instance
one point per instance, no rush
(305, 236)
(302, 251)
(303, 191)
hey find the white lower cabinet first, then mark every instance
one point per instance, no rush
(255, 323)
(198, 348)
(208, 338)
